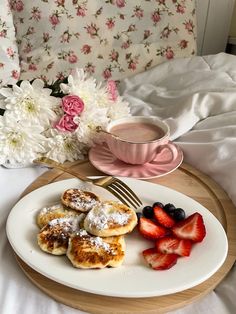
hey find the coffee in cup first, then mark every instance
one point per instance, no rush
(138, 139)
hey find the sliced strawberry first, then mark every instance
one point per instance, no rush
(191, 228)
(150, 230)
(159, 261)
(172, 245)
(162, 217)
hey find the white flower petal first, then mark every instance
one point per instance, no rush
(38, 84)
(6, 92)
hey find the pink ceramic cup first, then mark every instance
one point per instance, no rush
(140, 152)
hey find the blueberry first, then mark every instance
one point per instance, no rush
(139, 215)
(169, 208)
(158, 204)
(148, 211)
(179, 214)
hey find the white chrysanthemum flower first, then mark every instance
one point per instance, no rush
(31, 102)
(20, 141)
(2, 102)
(64, 146)
(118, 109)
(88, 122)
(81, 85)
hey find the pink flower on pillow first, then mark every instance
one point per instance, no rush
(72, 105)
(66, 123)
(107, 73)
(120, 3)
(72, 58)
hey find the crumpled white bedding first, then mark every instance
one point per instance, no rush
(197, 98)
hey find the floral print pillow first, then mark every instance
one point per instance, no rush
(9, 61)
(109, 39)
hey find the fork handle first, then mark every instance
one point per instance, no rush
(54, 164)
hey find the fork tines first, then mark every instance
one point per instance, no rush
(124, 193)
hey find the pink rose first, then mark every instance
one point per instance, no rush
(19, 6)
(32, 67)
(92, 30)
(183, 44)
(132, 65)
(169, 53)
(81, 11)
(66, 123)
(86, 49)
(126, 44)
(106, 74)
(180, 9)
(72, 105)
(110, 23)
(15, 74)
(3, 33)
(10, 52)
(156, 17)
(120, 3)
(189, 26)
(114, 55)
(112, 90)
(54, 19)
(60, 2)
(72, 58)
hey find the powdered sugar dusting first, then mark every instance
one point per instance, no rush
(104, 215)
(95, 241)
(82, 202)
(98, 242)
(68, 224)
(82, 232)
(51, 208)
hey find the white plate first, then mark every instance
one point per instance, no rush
(134, 278)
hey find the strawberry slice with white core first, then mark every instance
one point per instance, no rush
(150, 230)
(191, 228)
(159, 261)
(173, 245)
(162, 217)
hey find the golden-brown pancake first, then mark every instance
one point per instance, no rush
(80, 200)
(87, 251)
(110, 219)
(51, 212)
(53, 238)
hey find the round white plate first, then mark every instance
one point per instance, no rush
(133, 278)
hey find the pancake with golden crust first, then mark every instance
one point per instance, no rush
(110, 219)
(87, 251)
(80, 200)
(53, 238)
(51, 212)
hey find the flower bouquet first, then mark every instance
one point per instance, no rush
(58, 121)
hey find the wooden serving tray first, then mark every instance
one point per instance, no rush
(186, 180)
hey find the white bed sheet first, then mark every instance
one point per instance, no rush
(197, 98)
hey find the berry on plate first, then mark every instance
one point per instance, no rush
(173, 245)
(191, 228)
(163, 218)
(158, 204)
(159, 261)
(150, 230)
(169, 208)
(178, 214)
(148, 211)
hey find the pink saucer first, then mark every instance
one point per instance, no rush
(102, 159)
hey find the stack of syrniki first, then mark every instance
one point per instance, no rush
(89, 231)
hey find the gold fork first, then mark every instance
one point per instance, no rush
(112, 184)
